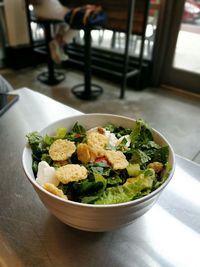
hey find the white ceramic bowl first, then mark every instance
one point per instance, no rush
(90, 217)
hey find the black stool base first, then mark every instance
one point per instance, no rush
(44, 77)
(94, 92)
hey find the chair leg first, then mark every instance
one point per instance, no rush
(113, 39)
(125, 68)
(140, 62)
(50, 63)
(126, 55)
(88, 61)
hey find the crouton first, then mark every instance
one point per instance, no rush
(54, 190)
(61, 150)
(71, 173)
(96, 139)
(117, 159)
(97, 143)
(157, 166)
(83, 153)
(96, 152)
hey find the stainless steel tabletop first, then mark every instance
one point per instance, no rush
(167, 235)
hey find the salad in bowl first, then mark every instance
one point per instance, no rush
(102, 165)
(98, 172)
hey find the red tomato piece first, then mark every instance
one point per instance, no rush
(103, 158)
(77, 135)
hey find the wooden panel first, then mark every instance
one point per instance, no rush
(117, 12)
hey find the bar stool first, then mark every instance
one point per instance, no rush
(51, 76)
(86, 90)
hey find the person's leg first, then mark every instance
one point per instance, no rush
(57, 45)
(64, 35)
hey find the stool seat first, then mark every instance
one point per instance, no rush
(45, 20)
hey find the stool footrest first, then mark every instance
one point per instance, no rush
(45, 78)
(80, 92)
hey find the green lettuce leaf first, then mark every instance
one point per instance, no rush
(164, 176)
(77, 134)
(139, 157)
(101, 167)
(158, 154)
(89, 188)
(128, 191)
(119, 131)
(141, 134)
(36, 143)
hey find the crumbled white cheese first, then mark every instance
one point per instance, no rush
(46, 174)
(112, 139)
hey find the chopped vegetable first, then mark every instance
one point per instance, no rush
(133, 169)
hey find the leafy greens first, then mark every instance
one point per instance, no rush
(104, 185)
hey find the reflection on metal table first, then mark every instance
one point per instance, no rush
(167, 235)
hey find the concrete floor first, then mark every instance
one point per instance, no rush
(175, 115)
